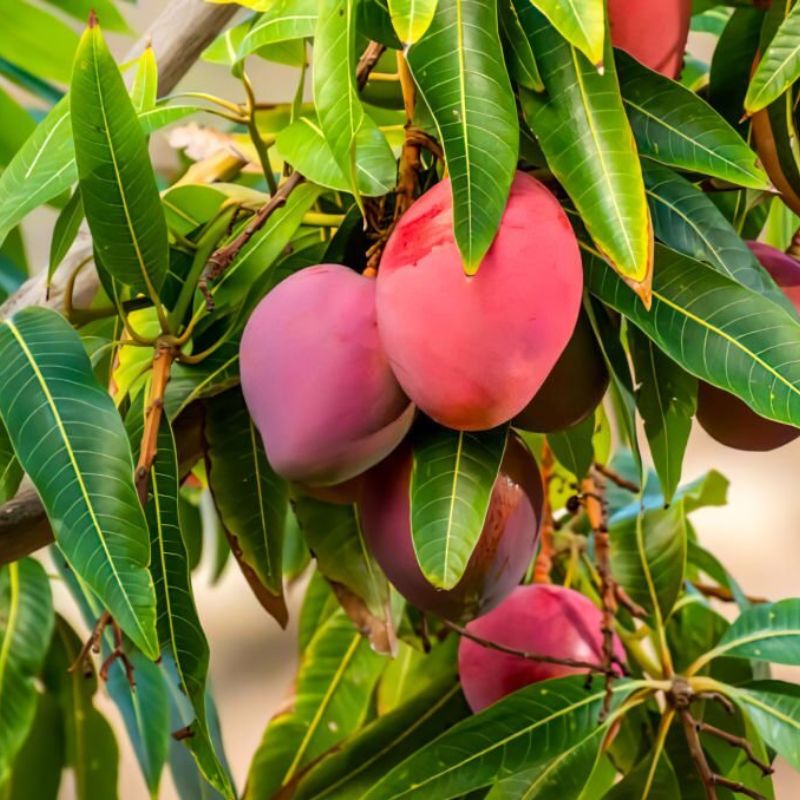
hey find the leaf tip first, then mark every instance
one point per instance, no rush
(93, 22)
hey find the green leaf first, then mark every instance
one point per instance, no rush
(145, 707)
(37, 41)
(766, 632)
(581, 126)
(333, 533)
(563, 776)
(281, 21)
(666, 397)
(70, 440)
(191, 382)
(341, 115)
(10, 469)
(530, 727)
(648, 557)
(117, 183)
(180, 633)
(334, 689)
(303, 145)
(519, 54)
(644, 781)
(452, 478)
(687, 221)
(349, 773)
(91, 747)
(26, 623)
(411, 18)
(106, 11)
(253, 264)
(64, 231)
(779, 66)
(675, 127)
(581, 22)
(250, 498)
(18, 125)
(715, 329)
(319, 605)
(144, 90)
(574, 447)
(459, 68)
(774, 709)
(36, 774)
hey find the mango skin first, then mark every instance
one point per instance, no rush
(472, 351)
(503, 552)
(316, 380)
(724, 416)
(540, 618)
(654, 32)
(574, 387)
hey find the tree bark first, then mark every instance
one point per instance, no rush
(178, 35)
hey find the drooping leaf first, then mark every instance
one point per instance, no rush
(333, 533)
(774, 709)
(574, 448)
(36, 773)
(520, 57)
(10, 469)
(144, 708)
(766, 632)
(70, 440)
(304, 146)
(26, 623)
(459, 68)
(687, 221)
(779, 66)
(581, 22)
(667, 400)
(525, 729)
(250, 498)
(350, 772)
(118, 187)
(411, 18)
(648, 557)
(581, 126)
(452, 477)
(334, 688)
(180, 634)
(676, 127)
(64, 231)
(91, 747)
(715, 329)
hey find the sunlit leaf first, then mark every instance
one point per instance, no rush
(411, 18)
(144, 90)
(581, 22)
(280, 21)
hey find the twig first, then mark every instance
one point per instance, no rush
(118, 654)
(544, 560)
(162, 364)
(737, 741)
(726, 595)
(709, 778)
(92, 644)
(616, 478)
(369, 58)
(628, 603)
(566, 662)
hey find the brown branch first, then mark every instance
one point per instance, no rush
(737, 741)
(566, 662)
(726, 595)
(369, 58)
(92, 644)
(118, 654)
(616, 478)
(710, 779)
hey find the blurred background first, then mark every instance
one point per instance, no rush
(253, 661)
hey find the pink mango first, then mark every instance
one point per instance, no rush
(472, 351)
(654, 32)
(500, 558)
(543, 619)
(316, 380)
(724, 416)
